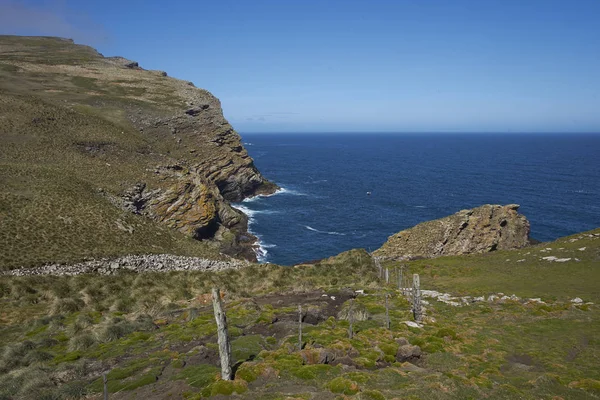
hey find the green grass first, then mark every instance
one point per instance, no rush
(485, 350)
(500, 271)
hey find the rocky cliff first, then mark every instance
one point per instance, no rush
(117, 151)
(479, 230)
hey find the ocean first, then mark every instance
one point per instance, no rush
(344, 191)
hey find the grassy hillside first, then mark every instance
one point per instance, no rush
(78, 130)
(155, 333)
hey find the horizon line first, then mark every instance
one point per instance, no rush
(427, 132)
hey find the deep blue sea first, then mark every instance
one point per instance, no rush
(324, 207)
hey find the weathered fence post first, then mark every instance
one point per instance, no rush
(105, 382)
(299, 327)
(387, 275)
(400, 279)
(388, 323)
(417, 311)
(222, 336)
(378, 264)
(350, 320)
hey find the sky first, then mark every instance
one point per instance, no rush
(355, 66)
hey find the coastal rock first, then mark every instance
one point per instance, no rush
(478, 230)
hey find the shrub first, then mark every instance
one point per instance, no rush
(35, 356)
(446, 332)
(343, 385)
(82, 341)
(372, 395)
(228, 387)
(66, 306)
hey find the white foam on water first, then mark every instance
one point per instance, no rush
(281, 190)
(250, 213)
(291, 192)
(260, 248)
(317, 181)
(310, 228)
(420, 207)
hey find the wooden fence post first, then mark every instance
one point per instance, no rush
(387, 275)
(222, 336)
(400, 288)
(299, 327)
(351, 320)
(417, 311)
(105, 382)
(388, 323)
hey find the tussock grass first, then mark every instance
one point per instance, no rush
(141, 323)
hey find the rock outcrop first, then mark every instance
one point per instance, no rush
(479, 230)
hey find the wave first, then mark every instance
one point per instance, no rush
(281, 190)
(310, 228)
(261, 251)
(290, 192)
(248, 144)
(420, 207)
(250, 212)
(260, 247)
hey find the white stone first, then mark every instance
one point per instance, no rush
(577, 300)
(413, 324)
(581, 249)
(536, 300)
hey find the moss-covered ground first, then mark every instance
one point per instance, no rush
(154, 334)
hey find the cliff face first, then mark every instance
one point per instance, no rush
(78, 127)
(479, 230)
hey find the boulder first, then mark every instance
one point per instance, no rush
(478, 230)
(402, 341)
(408, 352)
(317, 356)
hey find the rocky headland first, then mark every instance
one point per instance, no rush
(86, 134)
(478, 230)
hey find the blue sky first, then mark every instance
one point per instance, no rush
(397, 66)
